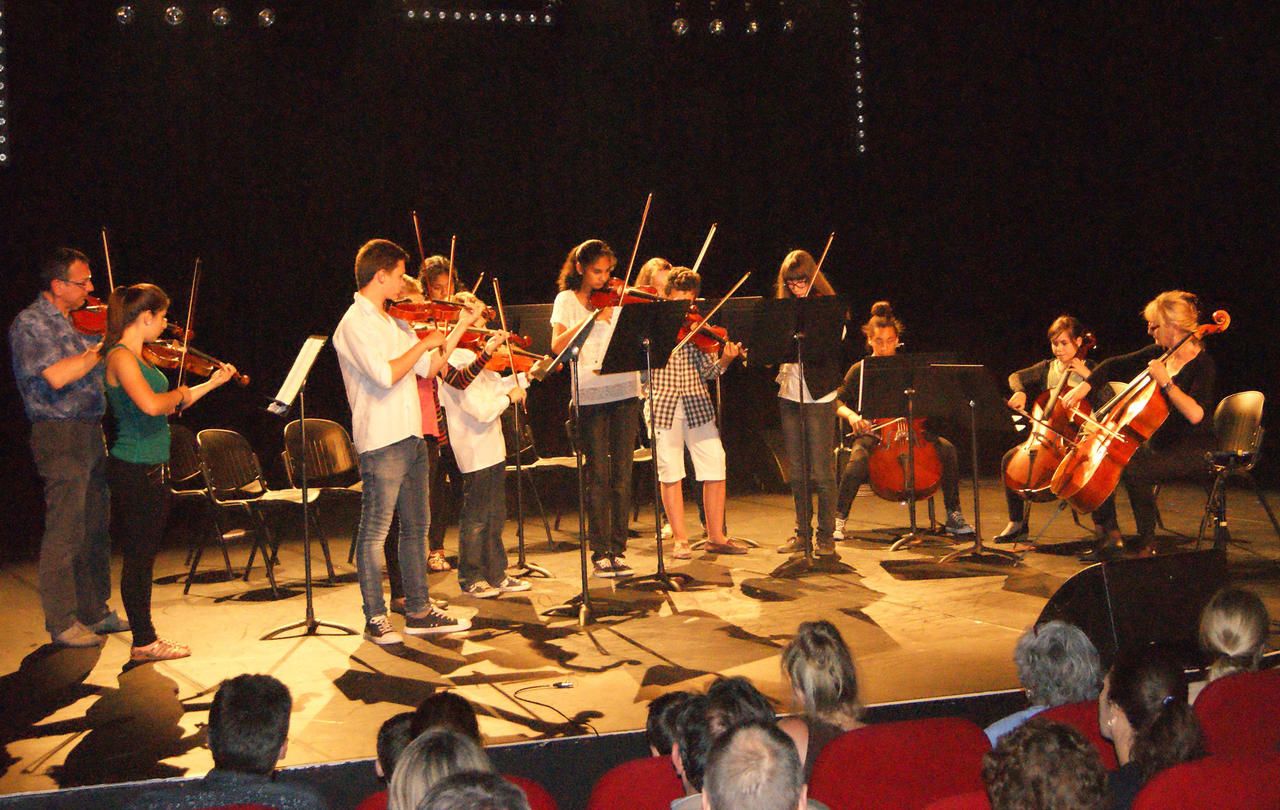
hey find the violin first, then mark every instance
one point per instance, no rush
(889, 466)
(613, 294)
(1107, 440)
(1030, 469)
(169, 353)
(519, 359)
(90, 319)
(709, 339)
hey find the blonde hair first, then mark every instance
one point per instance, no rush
(1176, 307)
(820, 668)
(1234, 627)
(797, 264)
(434, 755)
(650, 269)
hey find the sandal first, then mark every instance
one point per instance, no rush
(437, 562)
(160, 650)
(682, 551)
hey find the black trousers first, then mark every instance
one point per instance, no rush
(856, 472)
(1148, 467)
(140, 499)
(608, 436)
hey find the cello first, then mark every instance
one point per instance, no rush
(1030, 469)
(1107, 441)
(889, 465)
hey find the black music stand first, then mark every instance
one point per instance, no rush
(897, 385)
(972, 385)
(788, 330)
(295, 384)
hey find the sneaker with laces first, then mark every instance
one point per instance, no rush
(620, 567)
(825, 548)
(513, 585)
(793, 546)
(432, 622)
(77, 635)
(957, 525)
(666, 531)
(159, 650)
(111, 623)
(481, 590)
(398, 606)
(379, 631)
(838, 534)
(603, 567)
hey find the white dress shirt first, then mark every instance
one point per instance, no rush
(475, 415)
(382, 412)
(595, 388)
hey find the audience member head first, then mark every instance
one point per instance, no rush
(1045, 765)
(249, 724)
(1234, 628)
(446, 710)
(820, 669)
(393, 737)
(734, 701)
(474, 791)
(1057, 664)
(1143, 710)
(436, 754)
(660, 728)
(692, 739)
(754, 765)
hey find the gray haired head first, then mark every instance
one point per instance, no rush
(1057, 664)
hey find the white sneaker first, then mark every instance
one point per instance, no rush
(379, 631)
(481, 590)
(666, 530)
(838, 534)
(513, 585)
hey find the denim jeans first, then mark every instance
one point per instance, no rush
(819, 425)
(608, 440)
(481, 555)
(75, 553)
(395, 480)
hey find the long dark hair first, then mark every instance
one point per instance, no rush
(125, 305)
(580, 258)
(1151, 689)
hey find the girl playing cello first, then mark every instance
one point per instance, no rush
(1066, 337)
(1186, 380)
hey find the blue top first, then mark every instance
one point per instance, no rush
(1004, 725)
(39, 337)
(140, 438)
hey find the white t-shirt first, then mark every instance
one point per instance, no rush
(595, 388)
(789, 385)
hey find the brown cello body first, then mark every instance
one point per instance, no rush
(888, 465)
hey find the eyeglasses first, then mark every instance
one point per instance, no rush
(796, 282)
(84, 285)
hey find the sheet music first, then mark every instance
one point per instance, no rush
(283, 399)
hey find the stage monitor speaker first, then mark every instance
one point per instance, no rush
(1147, 600)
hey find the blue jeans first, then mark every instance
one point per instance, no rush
(819, 426)
(395, 478)
(481, 555)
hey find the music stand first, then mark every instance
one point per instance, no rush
(787, 330)
(642, 339)
(295, 384)
(890, 387)
(974, 386)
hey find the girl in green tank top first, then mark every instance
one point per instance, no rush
(141, 403)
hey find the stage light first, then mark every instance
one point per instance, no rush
(175, 15)
(4, 92)
(753, 27)
(220, 17)
(788, 26)
(266, 18)
(680, 26)
(481, 15)
(859, 89)
(125, 14)
(716, 27)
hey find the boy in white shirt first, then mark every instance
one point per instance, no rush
(379, 357)
(474, 416)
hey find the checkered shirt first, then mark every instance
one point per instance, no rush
(684, 377)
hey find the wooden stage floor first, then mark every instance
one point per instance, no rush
(918, 630)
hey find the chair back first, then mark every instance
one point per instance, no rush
(639, 784)
(1240, 713)
(184, 460)
(534, 792)
(331, 456)
(1237, 423)
(900, 765)
(229, 465)
(1083, 717)
(1215, 783)
(973, 800)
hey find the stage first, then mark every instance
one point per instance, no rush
(918, 630)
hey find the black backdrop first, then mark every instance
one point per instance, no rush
(1023, 159)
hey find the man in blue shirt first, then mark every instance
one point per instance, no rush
(60, 379)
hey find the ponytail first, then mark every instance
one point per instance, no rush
(580, 258)
(1172, 738)
(1151, 689)
(125, 304)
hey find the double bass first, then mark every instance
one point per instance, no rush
(1107, 441)
(1030, 470)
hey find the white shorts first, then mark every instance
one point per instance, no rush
(704, 445)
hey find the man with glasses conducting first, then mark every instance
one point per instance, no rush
(60, 379)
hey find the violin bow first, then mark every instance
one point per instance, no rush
(106, 253)
(453, 274)
(635, 248)
(705, 244)
(191, 314)
(707, 319)
(502, 316)
(417, 231)
(817, 271)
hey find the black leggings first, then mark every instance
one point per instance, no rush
(140, 504)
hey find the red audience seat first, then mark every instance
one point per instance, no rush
(1215, 783)
(539, 798)
(900, 765)
(640, 784)
(973, 800)
(1240, 714)
(1083, 717)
